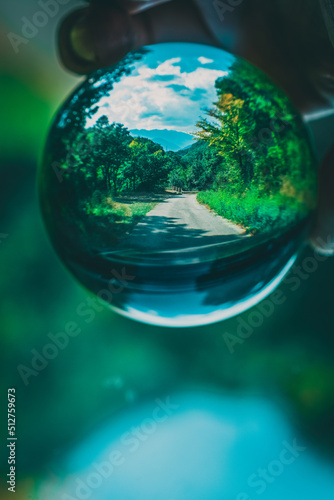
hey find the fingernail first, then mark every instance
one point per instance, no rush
(322, 236)
(324, 245)
(81, 41)
(76, 50)
(96, 37)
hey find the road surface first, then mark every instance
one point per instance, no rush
(180, 222)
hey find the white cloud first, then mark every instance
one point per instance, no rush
(205, 60)
(141, 101)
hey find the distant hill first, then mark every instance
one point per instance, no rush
(170, 140)
(196, 148)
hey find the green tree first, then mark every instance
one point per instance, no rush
(147, 168)
(228, 131)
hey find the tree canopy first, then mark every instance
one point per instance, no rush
(250, 149)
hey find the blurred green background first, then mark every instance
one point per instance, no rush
(114, 363)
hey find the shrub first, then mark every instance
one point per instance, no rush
(252, 211)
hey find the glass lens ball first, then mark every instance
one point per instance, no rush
(178, 185)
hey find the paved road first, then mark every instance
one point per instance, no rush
(181, 222)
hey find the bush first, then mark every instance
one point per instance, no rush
(253, 212)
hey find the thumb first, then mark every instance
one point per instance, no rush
(322, 236)
(104, 32)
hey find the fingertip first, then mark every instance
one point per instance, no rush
(74, 50)
(322, 244)
(322, 235)
(94, 37)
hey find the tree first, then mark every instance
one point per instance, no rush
(246, 124)
(110, 146)
(147, 167)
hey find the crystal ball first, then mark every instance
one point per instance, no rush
(179, 185)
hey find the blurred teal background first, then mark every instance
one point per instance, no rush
(111, 372)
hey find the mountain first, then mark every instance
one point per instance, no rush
(196, 148)
(170, 140)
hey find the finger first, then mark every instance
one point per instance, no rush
(86, 34)
(101, 34)
(322, 237)
(327, 7)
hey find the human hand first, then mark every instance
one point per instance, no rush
(291, 42)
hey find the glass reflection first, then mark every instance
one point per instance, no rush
(178, 185)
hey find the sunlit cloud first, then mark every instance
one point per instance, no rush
(205, 60)
(164, 97)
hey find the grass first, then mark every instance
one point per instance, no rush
(253, 212)
(117, 210)
(108, 220)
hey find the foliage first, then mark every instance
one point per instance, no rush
(196, 167)
(106, 157)
(267, 172)
(109, 220)
(253, 212)
(250, 161)
(257, 133)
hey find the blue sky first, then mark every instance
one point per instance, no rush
(170, 88)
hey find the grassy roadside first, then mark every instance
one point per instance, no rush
(252, 212)
(108, 220)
